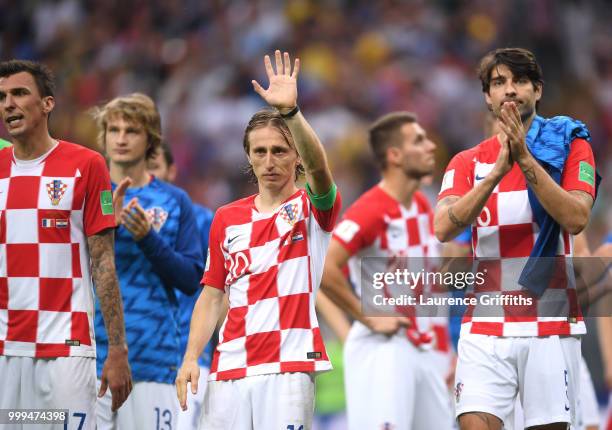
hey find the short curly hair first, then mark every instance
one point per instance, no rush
(135, 107)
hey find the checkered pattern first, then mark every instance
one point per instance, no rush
(506, 231)
(47, 207)
(271, 266)
(377, 225)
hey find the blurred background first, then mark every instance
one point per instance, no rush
(360, 59)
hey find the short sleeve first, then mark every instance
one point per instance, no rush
(579, 170)
(98, 211)
(357, 229)
(215, 272)
(457, 179)
(327, 218)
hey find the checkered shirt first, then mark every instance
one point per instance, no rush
(377, 225)
(271, 265)
(48, 207)
(506, 231)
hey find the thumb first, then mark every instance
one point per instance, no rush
(404, 321)
(258, 88)
(103, 386)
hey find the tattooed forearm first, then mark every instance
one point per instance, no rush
(454, 219)
(530, 175)
(102, 252)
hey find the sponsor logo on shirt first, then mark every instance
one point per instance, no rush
(586, 173)
(289, 213)
(56, 190)
(106, 202)
(158, 217)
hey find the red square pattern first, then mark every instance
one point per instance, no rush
(295, 244)
(235, 327)
(52, 350)
(414, 238)
(22, 326)
(3, 293)
(22, 259)
(80, 328)
(263, 231)
(53, 231)
(21, 192)
(76, 261)
(517, 313)
(515, 240)
(55, 294)
(263, 285)
(263, 348)
(294, 311)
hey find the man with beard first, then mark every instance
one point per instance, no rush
(525, 192)
(394, 366)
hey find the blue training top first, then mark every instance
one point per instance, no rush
(168, 258)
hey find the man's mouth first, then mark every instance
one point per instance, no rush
(12, 120)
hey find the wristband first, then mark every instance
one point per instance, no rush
(291, 113)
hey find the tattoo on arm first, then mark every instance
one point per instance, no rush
(447, 201)
(530, 175)
(454, 219)
(102, 253)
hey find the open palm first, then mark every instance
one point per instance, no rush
(282, 91)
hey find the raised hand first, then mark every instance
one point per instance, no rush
(282, 89)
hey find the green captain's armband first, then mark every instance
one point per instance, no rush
(325, 201)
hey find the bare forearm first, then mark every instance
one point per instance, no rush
(565, 208)
(605, 337)
(311, 152)
(338, 290)
(206, 312)
(102, 253)
(455, 214)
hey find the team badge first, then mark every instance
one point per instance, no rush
(158, 217)
(289, 213)
(56, 190)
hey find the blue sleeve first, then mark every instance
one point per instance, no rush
(204, 217)
(465, 237)
(183, 266)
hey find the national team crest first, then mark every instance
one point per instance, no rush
(56, 190)
(158, 217)
(289, 213)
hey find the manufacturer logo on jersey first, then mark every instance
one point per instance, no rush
(458, 389)
(289, 213)
(56, 190)
(158, 217)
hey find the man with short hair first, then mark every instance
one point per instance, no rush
(394, 366)
(162, 166)
(266, 251)
(158, 252)
(56, 235)
(525, 192)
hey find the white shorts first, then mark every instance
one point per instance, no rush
(544, 372)
(189, 419)
(150, 405)
(50, 383)
(392, 384)
(278, 401)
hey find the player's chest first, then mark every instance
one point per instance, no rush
(404, 236)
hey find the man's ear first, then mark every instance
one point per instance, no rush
(48, 103)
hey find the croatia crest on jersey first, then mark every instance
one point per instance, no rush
(289, 213)
(158, 217)
(56, 190)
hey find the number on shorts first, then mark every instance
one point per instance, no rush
(292, 427)
(167, 415)
(80, 415)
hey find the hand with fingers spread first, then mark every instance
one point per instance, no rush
(188, 373)
(511, 124)
(282, 89)
(135, 220)
(118, 197)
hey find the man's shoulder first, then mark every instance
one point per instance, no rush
(236, 212)
(72, 151)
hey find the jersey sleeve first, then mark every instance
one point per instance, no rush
(98, 211)
(579, 170)
(215, 271)
(357, 229)
(457, 179)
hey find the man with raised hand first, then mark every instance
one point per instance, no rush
(266, 252)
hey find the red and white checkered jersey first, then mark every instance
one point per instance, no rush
(48, 207)
(506, 230)
(377, 225)
(271, 265)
